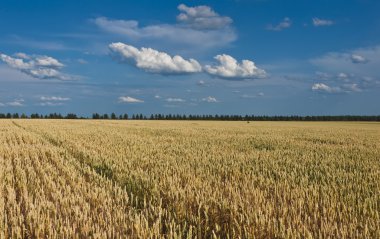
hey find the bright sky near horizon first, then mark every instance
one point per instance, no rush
(272, 57)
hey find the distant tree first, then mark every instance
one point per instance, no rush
(125, 116)
(15, 116)
(23, 116)
(95, 116)
(35, 116)
(71, 116)
(105, 116)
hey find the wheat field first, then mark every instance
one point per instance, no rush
(189, 179)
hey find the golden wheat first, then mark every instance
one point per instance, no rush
(192, 179)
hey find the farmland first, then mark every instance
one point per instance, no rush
(189, 179)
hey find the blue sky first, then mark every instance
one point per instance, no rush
(191, 57)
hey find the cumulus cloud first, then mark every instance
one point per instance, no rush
(199, 27)
(47, 61)
(210, 99)
(286, 23)
(154, 61)
(22, 55)
(14, 103)
(128, 99)
(318, 22)
(202, 17)
(177, 100)
(230, 68)
(39, 67)
(320, 87)
(358, 59)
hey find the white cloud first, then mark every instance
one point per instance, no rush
(22, 55)
(210, 99)
(317, 22)
(178, 100)
(48, 103)
(154, 61)
(352, 87)
(229, 68)
(201, 83)
(260, 94)
(54, 98)
(342, 75)
(128, 99)
(157, 97)
(14, 103)
(358, 59)
(338, 62)
(39, 67)
(325, 88)
(198, 27)
(286, 23)
(202, 17)
(47, 61)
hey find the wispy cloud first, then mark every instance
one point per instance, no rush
(285, 23)
(249, 96)
(355, 66)
(175, 100)
(210, 99)
(201, 83)
(128, 99)
(54, 98)
(39, 67)
(321, 87)
(50, 103)
(318, 22)
(198, 26)
(14, 103)
(344, 88)
(358, 59)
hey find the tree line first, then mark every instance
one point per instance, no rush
(221, 117)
